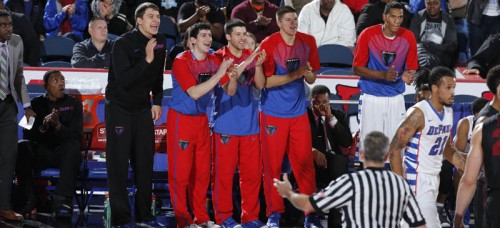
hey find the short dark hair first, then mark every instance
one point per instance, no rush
(439, 72)
(195, 29)
(91, 21)
(479, 104)
(284, 10)
(47, 74)
(393, 5)
(141, 9)
(228, 27)
(493, 79)
(319, 89)
(5, 13)
(375, 146)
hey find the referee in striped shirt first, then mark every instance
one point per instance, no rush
(373, 197)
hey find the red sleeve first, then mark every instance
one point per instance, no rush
(181, 73)
(313, 54)
(361, 55)
(268, 65)
(412, 56)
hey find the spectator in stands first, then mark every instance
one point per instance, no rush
(371, 14)
(69, 21)
(386, 59)
(355, 6)
(202, 11)
(251, 41)
(33, 10)
(259, 15)
(12, 90)
(114, 12)
(486, 57)
(330, 133)
(361, 195)
(484, 20)
(231, 4)
(53, 142)
(436, 36)
(483, 157)
(94, 52)
(22, 27)
(135, 75)
(458, 10)
(297, 4)
(329, 21)
(418, 5)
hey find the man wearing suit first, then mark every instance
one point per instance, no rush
(12, 90)
(328, 158)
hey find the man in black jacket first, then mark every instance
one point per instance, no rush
(330, 132)
(136, 73)
(486, 57)
(53, 142)
(94, 52)
(436, 36)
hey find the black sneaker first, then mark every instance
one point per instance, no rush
(443, 218)
(63, 211)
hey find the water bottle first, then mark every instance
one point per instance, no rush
(107, 211)
(153, 205)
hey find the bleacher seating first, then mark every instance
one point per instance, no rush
(57, 49)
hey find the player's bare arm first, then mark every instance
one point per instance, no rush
(456, 158)
(414, 122)
(468, 183)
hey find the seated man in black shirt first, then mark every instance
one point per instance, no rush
(94, 52)
(53, 142)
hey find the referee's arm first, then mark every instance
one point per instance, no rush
(300, 201)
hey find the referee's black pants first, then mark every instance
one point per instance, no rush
(129, 136)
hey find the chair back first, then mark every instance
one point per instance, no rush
(331, 54)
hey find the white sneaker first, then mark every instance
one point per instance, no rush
(208, 224)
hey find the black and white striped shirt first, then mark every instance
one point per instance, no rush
(370, 198)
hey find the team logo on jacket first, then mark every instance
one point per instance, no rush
(292, 64)
(183, 144)
(271, 129)
(119, 130)
(203, 77)
(388, 57)
(225, 139)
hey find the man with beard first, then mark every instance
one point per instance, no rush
(436, 36)
(423, 133)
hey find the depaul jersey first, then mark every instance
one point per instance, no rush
(471, 119)
(424, 152)
(237, 114)
(187, 72)
(288, 100)
(378, 52)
